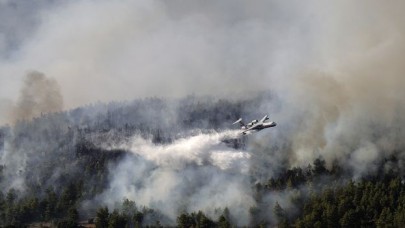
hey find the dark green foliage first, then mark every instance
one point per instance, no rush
(223, 222)
(127, 216)
(102, 217)
(319, 167)
(66, 223)
(281, 216)
(291, 178)
(65, 167)
(138, 218)
(203, 221)
(185, 220)
(200, 220)
(365, 203)
(117, 220)
(224, 219)
(61, 208)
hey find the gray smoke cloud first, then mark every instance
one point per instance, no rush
(120, 50)
(335, 67)
(193, 173)
(18, 21)
(39, 95)
(349, 108)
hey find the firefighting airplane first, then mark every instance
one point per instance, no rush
(255, 125)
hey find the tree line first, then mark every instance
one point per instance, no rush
(65, 168)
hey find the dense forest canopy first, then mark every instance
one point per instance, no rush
(155, 161)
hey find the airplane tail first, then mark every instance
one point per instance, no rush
(240, 122)
(266, 117)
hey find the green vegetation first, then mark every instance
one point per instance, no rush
(367, 203)
(371, 202)
(64, 168)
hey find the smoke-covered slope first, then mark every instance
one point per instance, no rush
(156, 152)
(174, 156)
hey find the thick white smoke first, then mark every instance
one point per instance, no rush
(194, 173)
(201, 149)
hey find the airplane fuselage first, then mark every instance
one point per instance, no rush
(255, 125)
(259, 127)
(264, 125)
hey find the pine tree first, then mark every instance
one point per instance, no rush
(102, 217)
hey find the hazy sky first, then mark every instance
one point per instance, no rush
(104, 50)
(341, 53)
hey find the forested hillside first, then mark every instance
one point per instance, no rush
(53, 163)
(92, 164)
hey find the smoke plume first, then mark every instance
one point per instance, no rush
(194, 173)
(39, 95)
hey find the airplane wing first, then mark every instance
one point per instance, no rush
(252, 127)
(247, 132)
(264, 119)
(238, 121)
